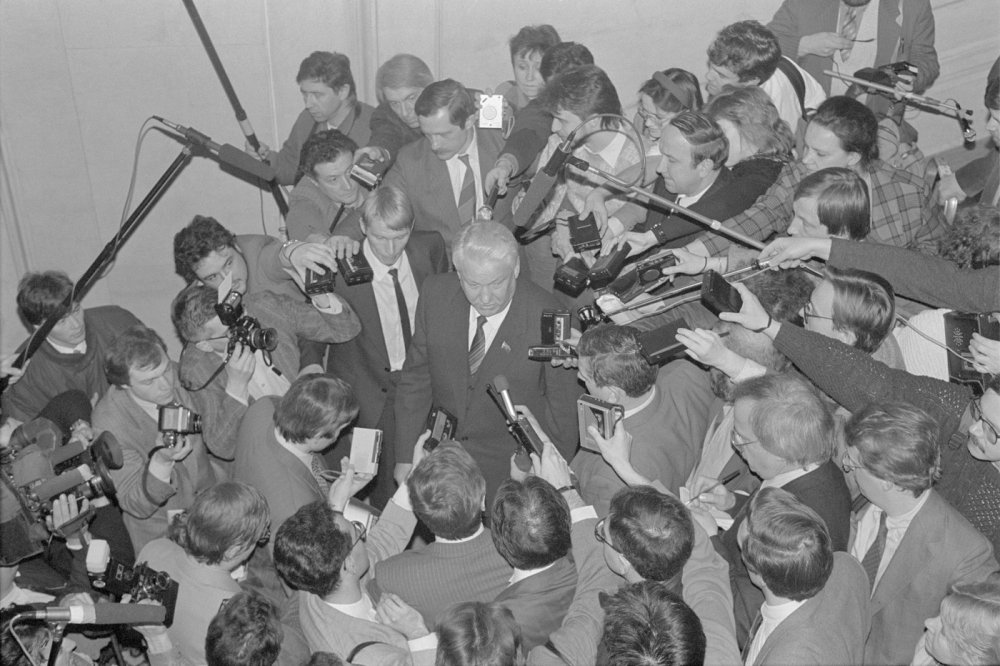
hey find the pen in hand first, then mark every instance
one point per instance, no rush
(721, 482)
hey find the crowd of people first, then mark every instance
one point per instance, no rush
(812, 478)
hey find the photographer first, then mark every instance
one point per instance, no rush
(156, 478)
(204, 548)
(249, 373)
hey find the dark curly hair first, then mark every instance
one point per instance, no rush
(196, 241)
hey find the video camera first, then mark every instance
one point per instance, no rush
(243, 328)
(40, 467)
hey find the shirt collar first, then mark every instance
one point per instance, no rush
(643, 405)
(472, 150)
(76, 349)
(379, 270)
(521, 574)
(610, 152)
(465, 540)
(474, 314)
(779, 480)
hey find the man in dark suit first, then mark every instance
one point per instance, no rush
(371, 363)
(471, 326)
(785, 433)
(812, 32)
(280, 440)
(448, 493)
(693, 173)
(443, 173)
(816, 606)
(912, 544)
(531, 528)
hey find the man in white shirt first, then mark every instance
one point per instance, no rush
(912, 544)
(442, 173)
(401, 259)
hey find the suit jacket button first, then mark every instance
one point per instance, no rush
(386, 369)
(384, 391)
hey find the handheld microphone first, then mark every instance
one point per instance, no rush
(101, 614)
(522, 430)
(227, 153)
(502, 386)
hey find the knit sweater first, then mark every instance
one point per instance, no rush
(51, 372)
(442, 574)
(923, 277)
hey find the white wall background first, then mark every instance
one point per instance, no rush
(79, 77)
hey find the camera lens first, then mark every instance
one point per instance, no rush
(264, 338)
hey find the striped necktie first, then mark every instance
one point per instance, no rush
(317, 467)
(873, 557)
(467, 197)
(477, 351)
(850, 22)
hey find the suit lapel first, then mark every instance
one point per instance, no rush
(420, 261)
(500, 350)
(888, 30)
(294, 466)
(437, 179)
(912, 555)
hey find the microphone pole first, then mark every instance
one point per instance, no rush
(713, 225)
(227, 86)
(96, 268)
(922, 100)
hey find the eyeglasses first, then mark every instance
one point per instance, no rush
(599, 533)
(736, 442)
(360, 533)
(849, 465)
(990, 431)
(809, 312)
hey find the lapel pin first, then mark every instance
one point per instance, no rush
(505, 347)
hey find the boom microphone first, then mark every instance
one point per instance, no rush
(543, 181)
(227, 153)
(101, 614)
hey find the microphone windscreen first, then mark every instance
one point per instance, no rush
(235, 157)
(129, 614)
(58, 485)
(500, 383)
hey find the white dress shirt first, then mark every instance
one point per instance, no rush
(490, 328)
(770, 618)
(895, 531)
(385, 300)
(456, 171)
